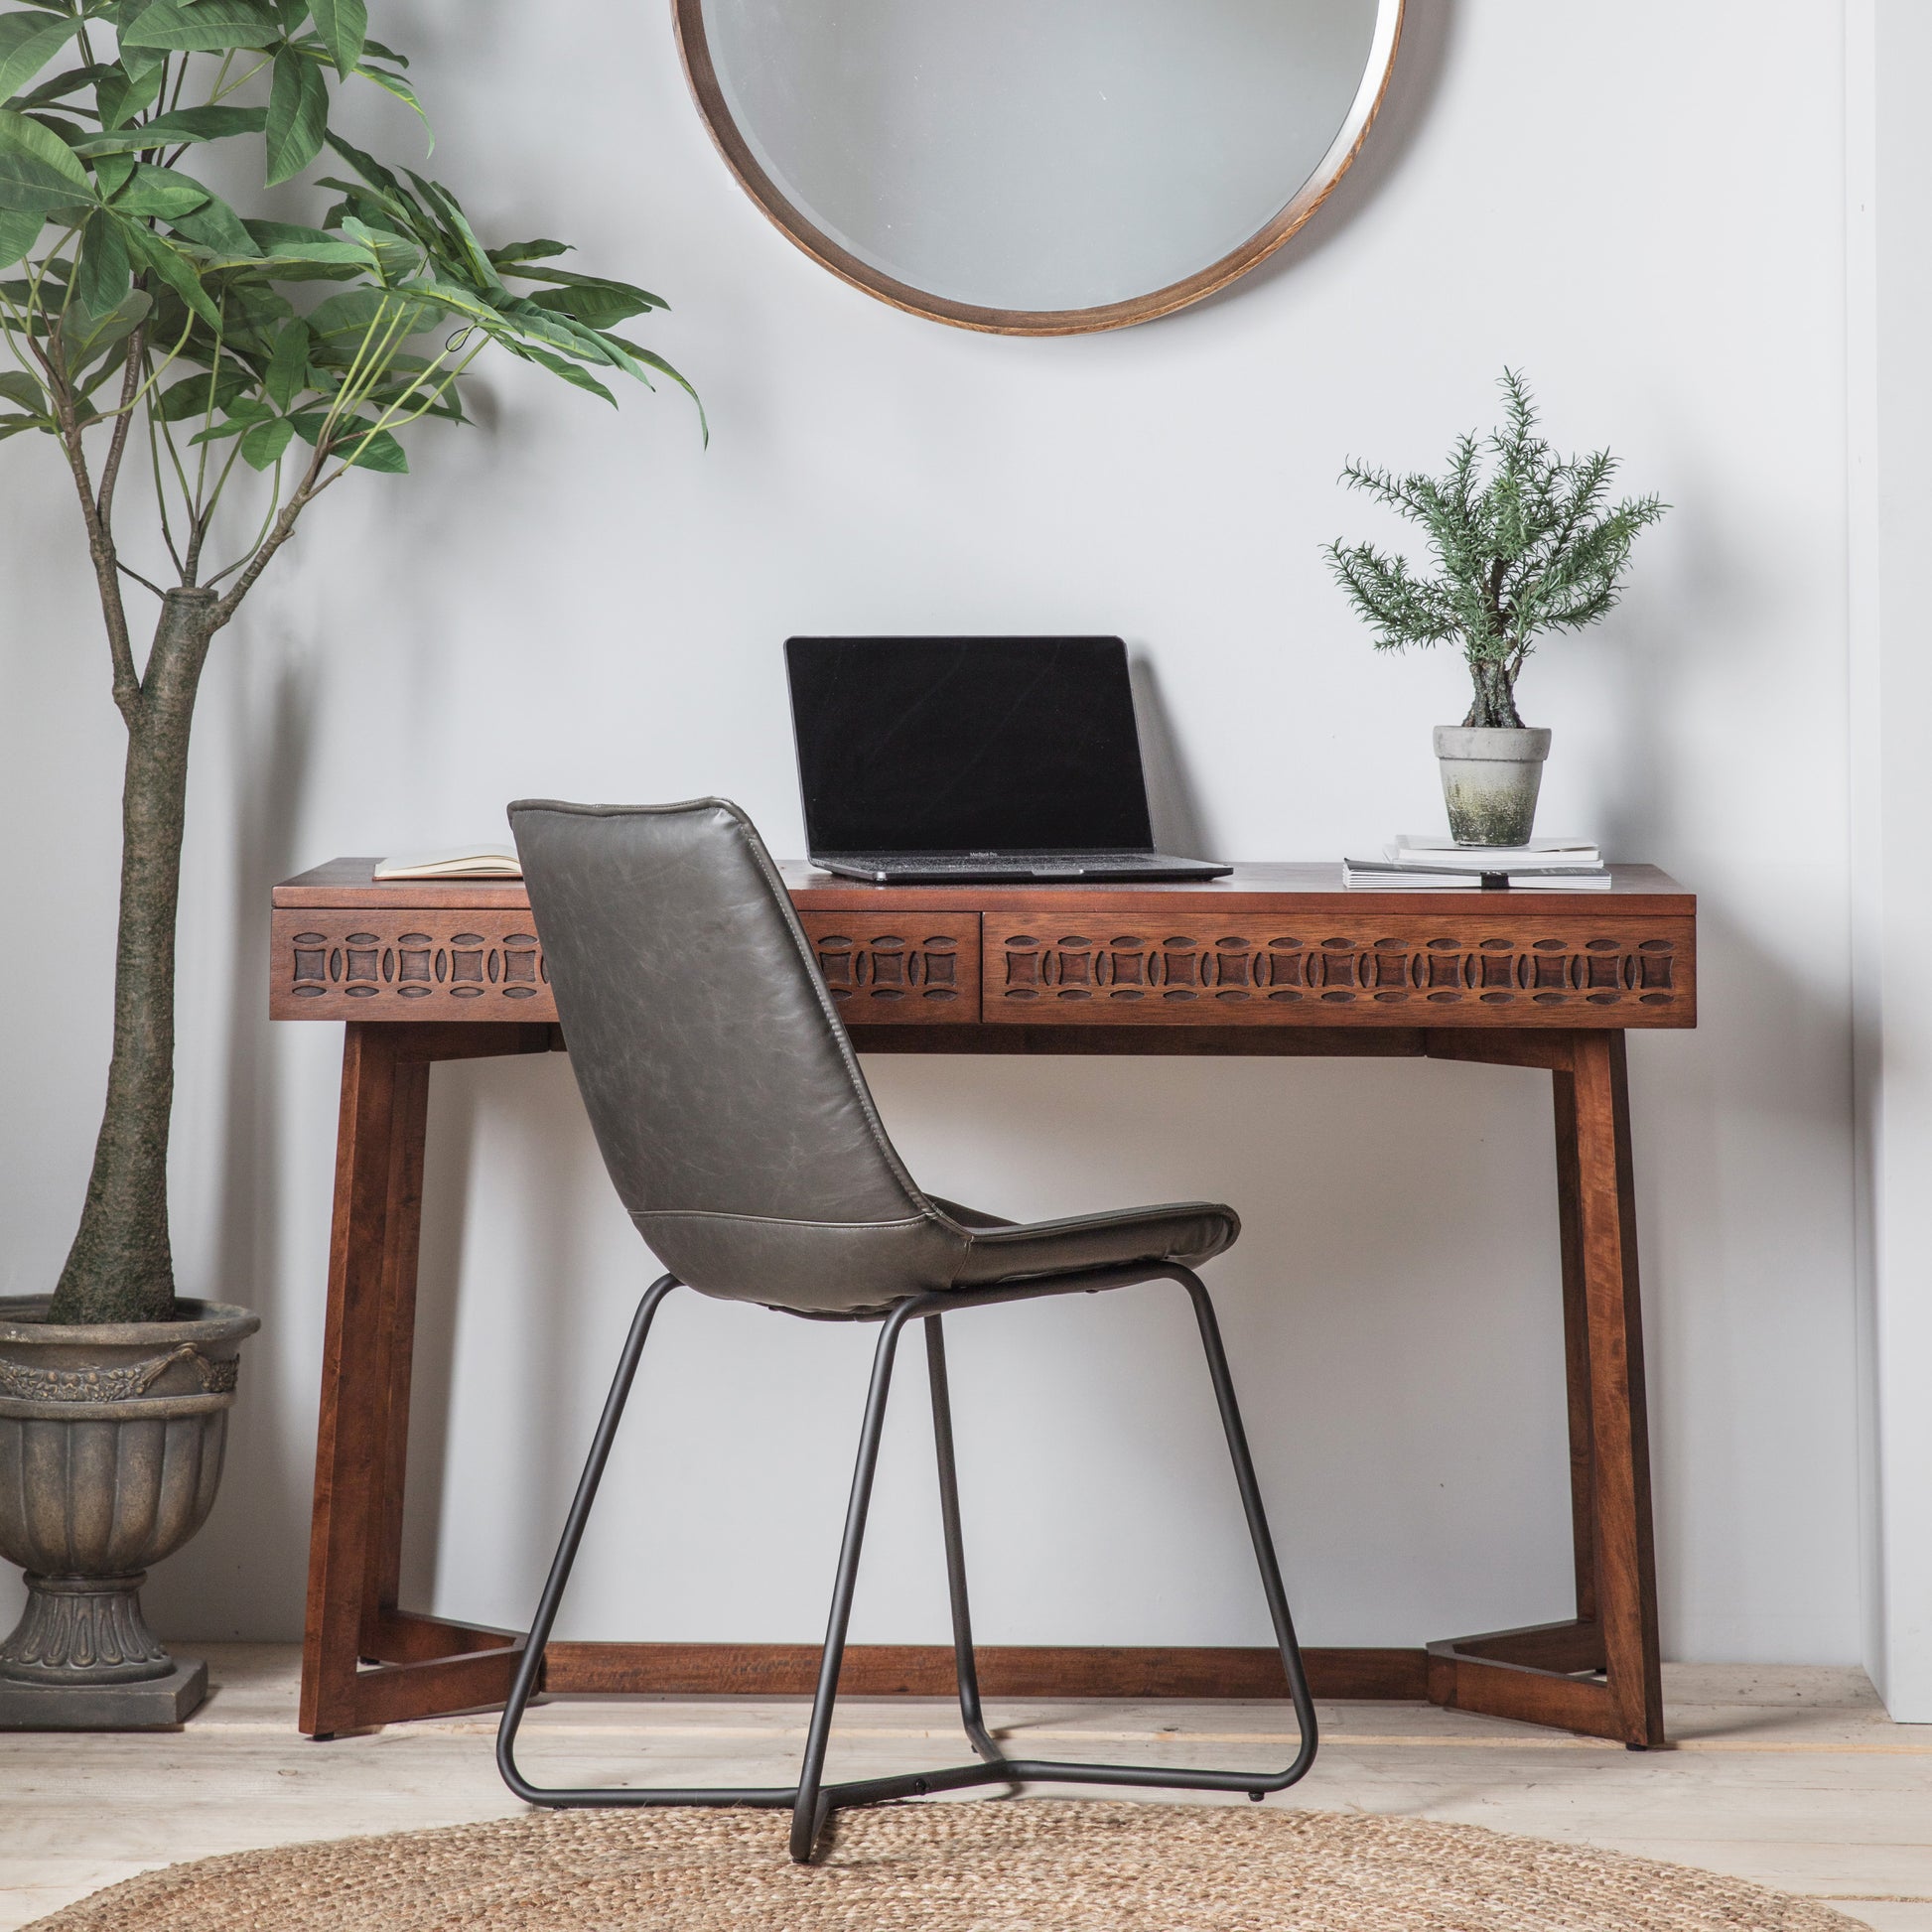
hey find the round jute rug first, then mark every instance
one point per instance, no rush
(1025, 1866)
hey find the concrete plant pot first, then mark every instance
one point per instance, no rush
(111, 1452)
(1490, 778)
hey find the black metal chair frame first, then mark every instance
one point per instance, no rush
(811, 1800)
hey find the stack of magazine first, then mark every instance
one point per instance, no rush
(1415, 863)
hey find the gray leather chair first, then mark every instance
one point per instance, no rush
(742, 1138)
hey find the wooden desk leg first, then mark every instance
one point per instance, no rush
(1625, 1598)
(355, 1532)
(1550, 1673)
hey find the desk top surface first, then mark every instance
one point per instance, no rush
(1264, 887)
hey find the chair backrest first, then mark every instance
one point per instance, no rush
(724, 1094)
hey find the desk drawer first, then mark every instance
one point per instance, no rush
(1589, 966)
(899, 967)
(330, 964)
(419, 965)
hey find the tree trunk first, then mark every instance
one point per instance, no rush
(1495, 701)
(121, 1267)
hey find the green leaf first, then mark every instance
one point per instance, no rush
(193, 397)
(570, 279)
(86, 336)
(380, 452)
(443, 205)
(104, 270)
(167, 261)
(54, 92)
(222, 431)
(216, 227)
(397, 257)
(343, 26)
(170, 130)
(205, 27)
(21, 388)
(262, 446)
(572, 372)
(527, 252)
(288, 367)
(20, 228)
(112, 173)
(161, 192)
(570, 336)
(298, 114)
(597, 305)
(461, 300)
(120, 95)
(287, 242)
(38, 171)
(27, 42)
(371, 169)
(344, 320)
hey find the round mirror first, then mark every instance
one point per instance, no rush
(1038, 167)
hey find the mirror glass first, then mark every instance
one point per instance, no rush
(1043, 155)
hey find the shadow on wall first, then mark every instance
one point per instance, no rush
(1174, 804)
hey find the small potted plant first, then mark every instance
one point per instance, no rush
(147, 318)
(1526, 548)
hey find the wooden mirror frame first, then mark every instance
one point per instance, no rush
(699, 69)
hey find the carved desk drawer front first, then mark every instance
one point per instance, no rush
(898, 966)
(1589, 967)
(416, 965)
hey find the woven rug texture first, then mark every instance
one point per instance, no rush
(1022, 1865)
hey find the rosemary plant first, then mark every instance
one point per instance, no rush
(1524, 545)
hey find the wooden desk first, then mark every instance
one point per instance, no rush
(1274, 960)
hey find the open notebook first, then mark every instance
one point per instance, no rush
(455, 861)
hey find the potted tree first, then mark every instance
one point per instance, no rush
(1526, 548)
(248, 366)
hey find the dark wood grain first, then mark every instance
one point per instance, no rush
(1575, 1346)
(1005, 1670)
(1626, 1563)
(1193, 1043)
(356, 1383)
(361, 1438)
(1451, 965)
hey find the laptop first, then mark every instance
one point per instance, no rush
(934, 759)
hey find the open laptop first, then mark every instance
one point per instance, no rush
(943, 758)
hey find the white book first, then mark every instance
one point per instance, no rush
(1447, 855)
(454, 861)
(1382, 876)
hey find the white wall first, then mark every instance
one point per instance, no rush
(1889, 306)
(1636, 206)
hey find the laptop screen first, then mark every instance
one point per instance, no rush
(967, 744)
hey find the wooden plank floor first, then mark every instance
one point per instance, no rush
(1794, 1777)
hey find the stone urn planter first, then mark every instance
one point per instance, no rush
(110, 1451)
(1491, 775)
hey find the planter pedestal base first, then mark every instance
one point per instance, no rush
(157, 1704)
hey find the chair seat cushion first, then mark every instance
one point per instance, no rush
(1190, 1232)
